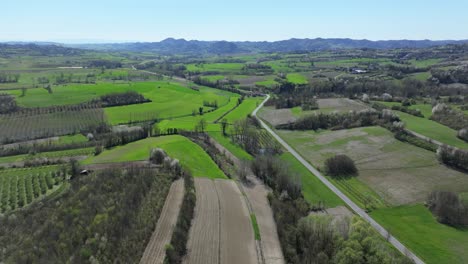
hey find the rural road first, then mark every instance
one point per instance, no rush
(404, 250)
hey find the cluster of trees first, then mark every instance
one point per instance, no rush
(336, 121)
(245, 133)
(7, 104)
(453, 157)
(340, 165)
(350, 87)
(271, 170)
(415, 112)
(292, 100)
(84, 226)
(448, 208)
(213, 104)
(227, 85)
(9, 78)
(455, 75)
(257, 68)
(344, 241)
(452, 118)
(112, 139)
(107, 64)
(126, 98)
(177, 249)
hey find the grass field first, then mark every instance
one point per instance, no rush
(415, 227)
(432, 130)
(188, 153)
(220, 67)
(51, 154)
(399, 173)
(313, 189)
(235, 149)
(297, 78)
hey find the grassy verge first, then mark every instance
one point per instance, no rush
(226, 142)
(313, 189)
(255, 226)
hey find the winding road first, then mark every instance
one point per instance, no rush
(404, 250)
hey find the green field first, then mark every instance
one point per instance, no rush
(297, 78)
(432, 130)
(51, 154)
(188, 153)
(217, 67)
(235, 149)
(313, 189)
(415, 227)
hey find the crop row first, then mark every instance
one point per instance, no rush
(19, 190)
(24, 127)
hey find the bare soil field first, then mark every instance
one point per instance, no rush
(221, 231)
(256, 193)
(399, 172)
(339, 105)
(155, 251)
(203, 245)
(237, 237)
(276, 116)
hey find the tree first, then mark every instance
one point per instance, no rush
(340, 165)
(201, 126)
(224, 125)
(200, 110)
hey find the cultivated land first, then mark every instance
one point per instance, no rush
(398, 172)
(156, 249)
(222, 231)
(256, 196)
(189, 154)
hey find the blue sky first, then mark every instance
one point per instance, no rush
(154, 20)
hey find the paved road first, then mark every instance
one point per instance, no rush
(404, 250)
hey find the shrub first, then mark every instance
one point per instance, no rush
(463, 134)
(157, 156)
(340, 165)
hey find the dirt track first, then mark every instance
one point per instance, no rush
(155, 250)
(221, 231)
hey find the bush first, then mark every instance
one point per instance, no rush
(463, 134)
(340, 165)
(157, 156)
(453, 157)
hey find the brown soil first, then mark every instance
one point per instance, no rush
(155, 251)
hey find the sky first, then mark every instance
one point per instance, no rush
(81, 21)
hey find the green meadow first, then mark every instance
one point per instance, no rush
(190, 155)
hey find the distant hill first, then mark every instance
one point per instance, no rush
(182, 46)
(36, 49)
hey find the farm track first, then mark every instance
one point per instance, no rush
(222, 231)
(155, 251)
(256, 195)
(381, 230)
